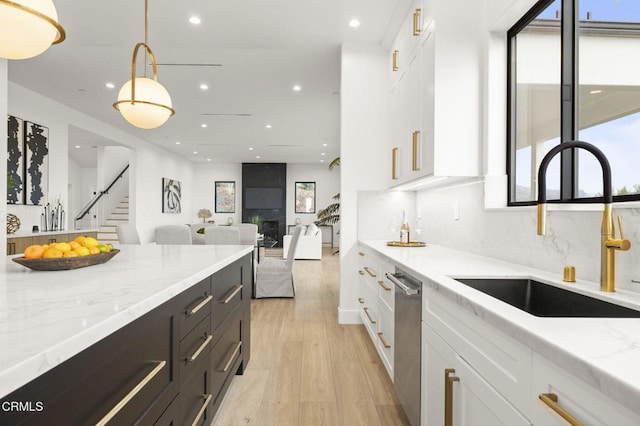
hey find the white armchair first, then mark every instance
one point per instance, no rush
(309, 246)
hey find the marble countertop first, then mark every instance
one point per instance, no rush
(603, 352)
(47, 317)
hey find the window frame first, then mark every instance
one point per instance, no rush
(570, 103)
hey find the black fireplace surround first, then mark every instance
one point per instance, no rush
(264, 194)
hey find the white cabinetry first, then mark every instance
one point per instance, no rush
(456, 394)
(556, 393)
(376, 301)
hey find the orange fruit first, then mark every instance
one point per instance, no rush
(74, 244)
(63, 247)
(34, 252)
(94, 250)
(79, 239)
(82, 251)
(70, 253)
(89, 242)
(52, 252)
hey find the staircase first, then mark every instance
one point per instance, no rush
(120, 215)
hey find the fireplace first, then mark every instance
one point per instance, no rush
(270, 231)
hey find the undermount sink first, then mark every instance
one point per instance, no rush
(544, 300)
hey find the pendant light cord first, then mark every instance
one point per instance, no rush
(146, 33)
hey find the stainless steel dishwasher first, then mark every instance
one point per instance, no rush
(407, 353)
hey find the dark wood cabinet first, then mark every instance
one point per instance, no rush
(169, 367)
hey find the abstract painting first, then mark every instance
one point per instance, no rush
(36, 138)
(171, 196)
(15, 161)
(225, 197)
(305, 197)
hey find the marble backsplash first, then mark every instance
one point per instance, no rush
(572, 237)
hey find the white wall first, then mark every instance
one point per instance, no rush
(111, 161)
(363, 155)
(327, 185)
(204, 190)
(149, 164)
(3, 154)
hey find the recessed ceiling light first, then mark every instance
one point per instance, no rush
(204, 126)
(110, 85)
(595, 92)
(195, 152)
(324, 144)
(257, 156)
(250, 148)
(178, 143)
(208, 159)
(297, 88)
(268, 126)
(323, 153)
(77, 146)
(322, 161)
(354, 23)
(194, 20)
(203, 86)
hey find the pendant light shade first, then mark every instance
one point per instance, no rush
(28, 28)
(143, 101)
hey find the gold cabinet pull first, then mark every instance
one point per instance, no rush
(366, 311)
(207, 400)
(415, 148)
(360, 299)
(394, 163)
(232, 358)
(384, 287)
(416, 22)
(360, 253)
(448, 395)
(232, 295)
(381, 337)
(204, 344)
(395, 60)
(371, 273)
(132, 393)
(551, 400)
(199, 306)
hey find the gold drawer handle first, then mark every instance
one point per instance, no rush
(384, 287)
(448, 395)
(415, 138)
(394, 163)
(360, 299)
(132, 393)
(395, 66)
(204, 344)
(199, 306)
(372, 274)
(416, 22)
(551, 400)
(385, 344)
(207, 400)
(366, 311)
(233, 357)
(232, 295)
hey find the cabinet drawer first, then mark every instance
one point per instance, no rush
(226, 354)
(385, 341)
(195, 305)
(228, 292)
(501, 360)
(132, 369)
(195, 346)
(171, 416)
(578, 399)
(196, 399)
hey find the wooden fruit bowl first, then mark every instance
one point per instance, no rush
(65, 263)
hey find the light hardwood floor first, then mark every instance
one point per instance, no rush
(305, 368)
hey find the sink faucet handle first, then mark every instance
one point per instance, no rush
(620, 226)
(619, 244)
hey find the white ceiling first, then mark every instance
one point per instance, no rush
(264, 49)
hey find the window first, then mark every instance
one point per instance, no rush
(574, 75)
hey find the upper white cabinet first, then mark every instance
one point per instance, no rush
(435, 102)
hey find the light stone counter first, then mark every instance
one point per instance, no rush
(48, 317)
(604, 352)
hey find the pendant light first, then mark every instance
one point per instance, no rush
(28, 28)
(143, 101)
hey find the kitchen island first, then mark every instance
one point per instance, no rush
(49, 319)
(510, 357)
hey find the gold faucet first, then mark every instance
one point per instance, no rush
(609, 244)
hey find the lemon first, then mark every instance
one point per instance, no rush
(52, 252)
(103, 248)
(82, 251)
(89, 242)
(63, 247)
(70, 253)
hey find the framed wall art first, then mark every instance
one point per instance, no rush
(171, 196)
(225, 197)
(15, 160)
(36, 142)
(305, 197)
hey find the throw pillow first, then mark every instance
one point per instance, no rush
(200, 231)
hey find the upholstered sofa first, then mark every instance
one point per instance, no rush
(309, 244)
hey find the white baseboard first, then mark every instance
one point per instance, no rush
(349, 316)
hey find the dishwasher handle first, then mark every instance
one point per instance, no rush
(405, 288)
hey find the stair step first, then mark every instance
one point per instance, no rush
(107, 228)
